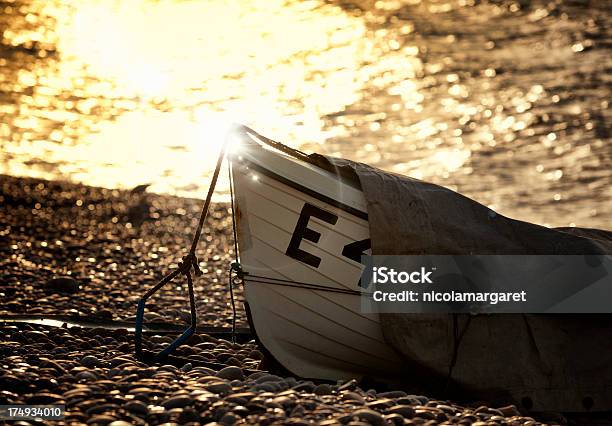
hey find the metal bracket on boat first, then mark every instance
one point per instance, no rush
(237, 268)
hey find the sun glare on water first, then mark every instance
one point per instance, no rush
(120, 93)
(153, 86)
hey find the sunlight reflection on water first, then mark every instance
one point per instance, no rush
(140, 91)
(118, 94)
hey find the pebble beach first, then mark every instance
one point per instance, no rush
(77, 250)
(93, 372)
(87, 252)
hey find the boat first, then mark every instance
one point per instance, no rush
(302, 224)
(301, 231)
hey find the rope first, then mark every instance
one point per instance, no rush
(457, 338)
(235, 231)
(188, 263)
(206, 206)
(299, 284)
(235, 267)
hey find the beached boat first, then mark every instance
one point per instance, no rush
(302, 223)
(301, 232)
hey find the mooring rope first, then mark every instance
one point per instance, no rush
(188, 263)
(235, 266)
(457, 338)
(299, 284)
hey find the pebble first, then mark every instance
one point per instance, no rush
(268, 378)
(229, 419)
(86, 375)
(425, 414)
(446, 408)
(101, 409)
(509, 411)
(405, 411)
(90, 361)
(380, 404)
(267, 387)
(353, 397)
(219, 387)
(231, 373)
(323, 389)
(304, 387)
(392, 394)
(189, 415)
(178, 401)
(64, 285)
(350, 385)
(101, 420)
(44, 398)
(420, 398)
(52, 364)
(372, 417)
(136, 406)
(394, 419)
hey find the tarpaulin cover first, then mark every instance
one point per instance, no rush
(544, 362)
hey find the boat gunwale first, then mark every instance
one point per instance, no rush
(301, 188)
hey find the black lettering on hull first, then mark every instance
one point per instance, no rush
(355, 250)
(352, 251)
(303, 232)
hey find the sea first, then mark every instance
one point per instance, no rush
(504, 101)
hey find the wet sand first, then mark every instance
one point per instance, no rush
(109, 246)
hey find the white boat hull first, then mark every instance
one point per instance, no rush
(294, 223)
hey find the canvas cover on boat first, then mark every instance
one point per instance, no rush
(542, 362)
